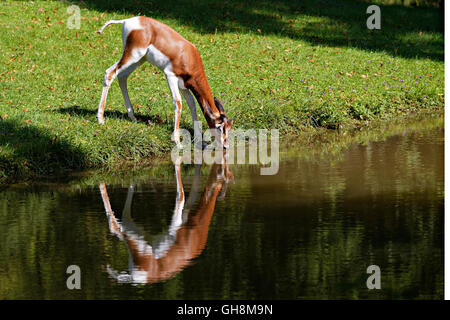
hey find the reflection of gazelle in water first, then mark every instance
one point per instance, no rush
(185, 239)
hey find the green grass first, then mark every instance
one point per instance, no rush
(295, 66)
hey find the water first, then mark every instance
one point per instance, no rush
(309, 232)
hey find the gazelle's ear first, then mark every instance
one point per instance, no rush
(219, 106)
(229, 124)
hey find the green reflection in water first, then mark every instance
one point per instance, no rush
(334, 208)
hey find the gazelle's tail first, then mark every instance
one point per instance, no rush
(108, 23)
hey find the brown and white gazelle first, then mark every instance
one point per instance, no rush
(145, 38)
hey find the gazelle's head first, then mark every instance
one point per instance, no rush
(223, 124)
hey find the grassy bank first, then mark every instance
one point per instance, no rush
(286, 65)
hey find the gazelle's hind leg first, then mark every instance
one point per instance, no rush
(110, 74)
(123, 77)
(133, 52)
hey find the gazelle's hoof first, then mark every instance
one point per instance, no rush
(100, 120)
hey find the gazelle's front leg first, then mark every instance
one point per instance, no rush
(172, 80)
(177, 220)
(191, 103)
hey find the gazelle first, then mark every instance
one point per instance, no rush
(145, 38)
(185, 238)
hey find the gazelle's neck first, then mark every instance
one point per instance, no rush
(202, 92)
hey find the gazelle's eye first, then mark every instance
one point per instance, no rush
(220, 127)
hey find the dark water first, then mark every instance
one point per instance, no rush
(310, 231)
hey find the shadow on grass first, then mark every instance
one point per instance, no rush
(28, 151)
(77, 111)
(323, 22)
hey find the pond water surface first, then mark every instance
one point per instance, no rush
(226, 232)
